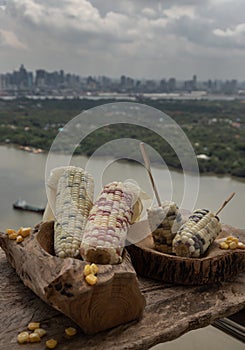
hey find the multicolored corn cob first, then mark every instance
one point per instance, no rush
(108, 223)
(164, 222)
(197, 234)
(74, 197)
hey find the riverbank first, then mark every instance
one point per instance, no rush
(216, 129)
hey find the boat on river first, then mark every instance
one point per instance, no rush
(21, 204)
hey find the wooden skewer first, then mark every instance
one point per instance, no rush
(225, 202)
(148, 168)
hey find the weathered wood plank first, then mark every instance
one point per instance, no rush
(170, 312)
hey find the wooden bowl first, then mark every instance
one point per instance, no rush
(216, 266)
(114, 300)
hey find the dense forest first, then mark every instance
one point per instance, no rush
(216, 129)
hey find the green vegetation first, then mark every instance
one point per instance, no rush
(216, 129)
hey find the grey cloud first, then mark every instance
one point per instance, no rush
(133, 37)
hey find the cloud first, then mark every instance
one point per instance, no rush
(140, 37)
(9, 39)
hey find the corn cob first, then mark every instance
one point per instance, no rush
(109, 220)
(73, 202)
(197, 234)
(164, 222)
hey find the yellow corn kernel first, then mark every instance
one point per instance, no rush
(20, 231)
(241, 245)
(9, 231)
(70, 331)
(87, 270)
(51, 343)
(233, 245)
(224, 245)
(25, 231)
(33, 325)
(13, 235)
(34, 338)
(91, 279)
(23, 337)
(19, 239)
(94, 268)
(40, 331)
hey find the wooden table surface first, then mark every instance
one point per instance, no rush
(171, 311)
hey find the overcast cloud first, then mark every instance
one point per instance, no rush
(139, 38)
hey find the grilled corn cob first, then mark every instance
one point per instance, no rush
(109, 220)
(73, 202)
(164, 222)
(197, 234)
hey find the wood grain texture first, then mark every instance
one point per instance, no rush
(114, 300)
(217, 265)
(171, 310)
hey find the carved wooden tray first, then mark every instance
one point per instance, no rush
(216, 266)
(114, 300)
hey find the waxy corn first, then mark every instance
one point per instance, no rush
(73, 203)
(197, 234)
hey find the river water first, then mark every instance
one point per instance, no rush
(22, 175)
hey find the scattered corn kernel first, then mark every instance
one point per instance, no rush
(224, 245)
(229, 238)
(94, 268)
(87, 270)
(9, 231)
(240, 245)
(25, 231)
(51, 343)
(33, 325)
(19, 232)
(19, 239)
(91, 279)
(34, 338)
(23, 337)
(40, 331)
(70, 331)
(233, 245)
(13, 235)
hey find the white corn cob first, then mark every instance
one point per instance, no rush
(164, 222)
(73, 203)
(108, 223)
(197, 234)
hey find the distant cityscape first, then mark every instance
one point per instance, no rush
(22, 82)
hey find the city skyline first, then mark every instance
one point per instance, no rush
(142, 39)
(23, 81)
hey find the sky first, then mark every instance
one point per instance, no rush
(138, 38)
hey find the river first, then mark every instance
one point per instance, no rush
(22, 175)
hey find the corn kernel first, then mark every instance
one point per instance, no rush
(240, 245)
(13, 235)
(224, 245)
(70, 331)
(40, 331)
(19, 239)
(9, 231)
(25, 231)
(51, 343)
(34, 338)
(91, 279)
(19, 232)
(33, 325)
(23, 337)
(94, 268)
(233, 245)
(87, 270)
